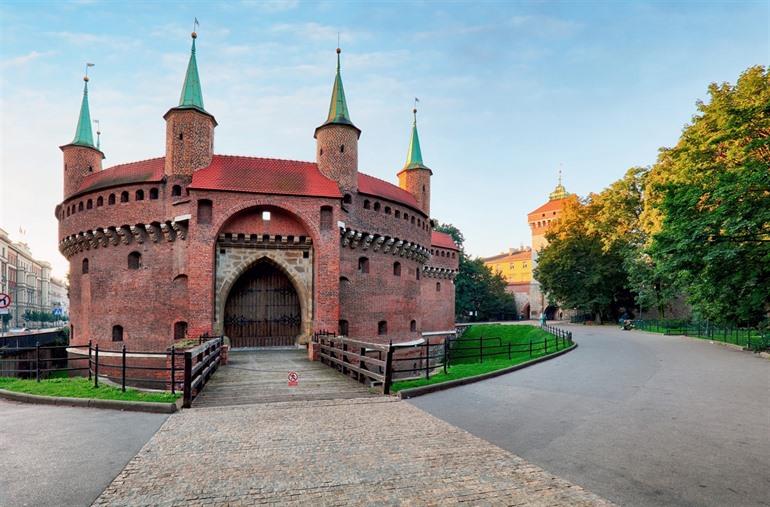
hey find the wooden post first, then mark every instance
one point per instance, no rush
(427, 359)
(123, 370)
(89, 359)
(37, 361)
(446, 352)
(173, 369)
(388, 369)
(96, 366)
(187, 389)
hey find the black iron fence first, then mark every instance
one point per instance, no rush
(187, 369)
(381, 364)
(748, 337)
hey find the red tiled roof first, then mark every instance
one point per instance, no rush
(381, 188)
(264, 176)
(554, 205)
(442, 240)
(134, 172)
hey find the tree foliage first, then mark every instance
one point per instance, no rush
(695, 224)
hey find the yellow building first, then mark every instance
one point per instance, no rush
(515, 266)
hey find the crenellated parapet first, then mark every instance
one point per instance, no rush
(354, 239)
(435, 272)
(103, 237)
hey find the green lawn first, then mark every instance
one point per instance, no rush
(464, 356)
(737, 336)
(79, 387)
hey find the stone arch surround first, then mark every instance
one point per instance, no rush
(237, 260)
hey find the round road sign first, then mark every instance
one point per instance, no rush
(5, 300)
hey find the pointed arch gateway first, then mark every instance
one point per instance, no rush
(263, 308)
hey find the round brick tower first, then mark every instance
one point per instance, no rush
(415, 176)
(337, 141)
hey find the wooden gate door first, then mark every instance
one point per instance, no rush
(262, 309)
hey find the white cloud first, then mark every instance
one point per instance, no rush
(272, 5)
(19, 61)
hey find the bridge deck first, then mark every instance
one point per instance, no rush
(261, 376)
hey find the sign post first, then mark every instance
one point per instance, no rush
(293, 379)
(5, 302)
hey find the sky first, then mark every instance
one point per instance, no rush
(509, 91)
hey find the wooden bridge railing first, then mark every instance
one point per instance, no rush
(352, 358)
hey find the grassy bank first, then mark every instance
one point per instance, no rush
(79, 387)
(465, 360)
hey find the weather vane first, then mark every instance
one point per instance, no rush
(87, 65)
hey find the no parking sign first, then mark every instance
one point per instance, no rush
(293, 379)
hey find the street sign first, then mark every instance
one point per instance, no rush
(293, 379)
(58, 312)
(4, 311)
(5, 300)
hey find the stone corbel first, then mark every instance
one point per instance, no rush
(99, 236)
(356, 240)
(368, 241)
(137, 232)
(397, 247)
(347, 237)
(168, 233)
(125, 235)
(181, 231)
(378, 243)
(152, 232)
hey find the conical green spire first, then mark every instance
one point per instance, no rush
(83, 135)
(338, 107)
(414, 155)
(191, 90)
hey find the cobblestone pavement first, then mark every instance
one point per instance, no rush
(334, 452)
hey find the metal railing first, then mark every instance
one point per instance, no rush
(189, 369)
(382, 363)
(748, 337)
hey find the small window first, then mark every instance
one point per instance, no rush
(140, 195)
(347, 199)
(117, 333)
(376, 206)
(134, 260)
(387, 210)
(176, 191)
(99, 201)
(343, 328)
(363, 265)
(413, 220)
(413, 326)
(111, 199)
(89, 204)
(342, 148)
(367, 204)
(206, 211)
(153, 194)
(438, 286)
(396, 269)
(406, 216)
(181, 136)
(397, 214)
(418, 273)
(84, 267)
(90, 169)
(80, 206)
(265, 216)
(180, 330)
(124, 197)
(382, 327)
(326, 218)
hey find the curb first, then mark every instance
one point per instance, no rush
(413, 392)
(132, 406)
(740, 348)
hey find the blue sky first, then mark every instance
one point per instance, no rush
(508, 91)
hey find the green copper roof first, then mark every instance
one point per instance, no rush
(338, 107)
(191, 90)
(414, 155)
(83, 135)
(559, 192)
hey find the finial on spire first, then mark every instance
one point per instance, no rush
(85, 77)
(194, 34)
(83, 134)
(414, 155)
(338, 107)
(414, 110)
(192, 96)
(559, 192)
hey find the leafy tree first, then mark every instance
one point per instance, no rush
(709, 207)
(452, 231)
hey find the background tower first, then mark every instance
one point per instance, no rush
(81, 157)
(189, 127)
(415, 176)
(337, 140)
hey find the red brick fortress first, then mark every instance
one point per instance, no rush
(262, 250)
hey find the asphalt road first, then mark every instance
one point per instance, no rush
(638, 418)
(65, 456)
